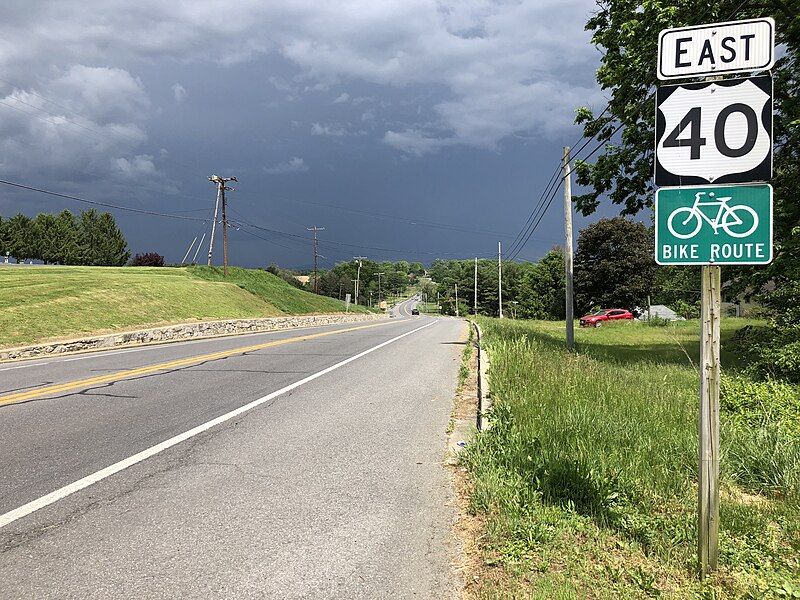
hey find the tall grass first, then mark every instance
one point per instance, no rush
(597, 450)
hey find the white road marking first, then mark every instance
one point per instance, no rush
(24, 366)
(85, 482)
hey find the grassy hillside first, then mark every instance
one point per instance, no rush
(43, 302)
(587, 478)
(275, 290)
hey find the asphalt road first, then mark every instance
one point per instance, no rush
(295, 464)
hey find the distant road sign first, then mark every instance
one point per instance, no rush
(721, 225)
(716, 49)
(714, 132)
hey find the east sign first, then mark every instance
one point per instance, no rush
(714, 132)
(714, 225)
(717, 49)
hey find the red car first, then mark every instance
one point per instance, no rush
(608, 314)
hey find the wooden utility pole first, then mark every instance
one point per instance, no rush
(500, 279)
(224, 235)
(475, 297)
(570, 317)
(708, 480)
(380, 295)
(214, 222)
(358, 275)
(221, 189)
(315, 229)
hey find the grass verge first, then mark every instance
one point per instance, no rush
(587, 477)
(40, 303)
(286, 298)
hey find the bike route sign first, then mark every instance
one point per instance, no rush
(714, 225)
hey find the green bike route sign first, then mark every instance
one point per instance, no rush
(714, 225)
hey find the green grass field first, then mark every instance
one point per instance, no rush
(587, 477)
(40, 303)
(286, 298)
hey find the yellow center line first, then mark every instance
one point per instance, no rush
(64, 387)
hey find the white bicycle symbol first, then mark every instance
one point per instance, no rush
(726, 218)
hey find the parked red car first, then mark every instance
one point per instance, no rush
(608, 314)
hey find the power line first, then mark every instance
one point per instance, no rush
(104, 204)
(529, 227)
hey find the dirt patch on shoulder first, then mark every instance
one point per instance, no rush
(468, 530)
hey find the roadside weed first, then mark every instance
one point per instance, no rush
(591, 461)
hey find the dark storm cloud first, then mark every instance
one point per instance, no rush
(453, 112)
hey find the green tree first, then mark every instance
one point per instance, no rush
(627, 31)
(101, 242)
(543, 290)
(614, 264)
(67, 239)
(675, 284)
(3, 238)
(20, 239)
(417, 268)
(45, 237)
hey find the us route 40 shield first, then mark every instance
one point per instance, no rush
(714, 132)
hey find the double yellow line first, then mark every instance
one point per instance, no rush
(82, 383)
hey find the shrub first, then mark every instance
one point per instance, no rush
(149, 259)
(686, 310)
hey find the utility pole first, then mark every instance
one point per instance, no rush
(500, 278)
(214, 224)
(221, 189)
(570, 317)
(358, 274)
(475, 300)
(456, 299)
(315, 229)
(379, 286)
(708, 475)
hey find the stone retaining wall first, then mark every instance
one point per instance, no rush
(183, 331)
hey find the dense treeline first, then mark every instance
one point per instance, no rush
(377, 280)
(90, 238)
(395, 278)
(627, 35)
(530, 290)
(613, 268)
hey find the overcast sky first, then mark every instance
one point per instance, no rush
(408, 129)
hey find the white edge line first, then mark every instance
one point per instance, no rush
(85, 482)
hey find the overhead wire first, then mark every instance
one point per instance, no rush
(530, 227)
(98, 203)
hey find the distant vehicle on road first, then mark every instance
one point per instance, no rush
(415, 311)
(609, 314)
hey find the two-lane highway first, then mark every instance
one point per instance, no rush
(292, 464)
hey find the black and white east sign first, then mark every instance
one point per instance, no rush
(717, 48)
(714, 132)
